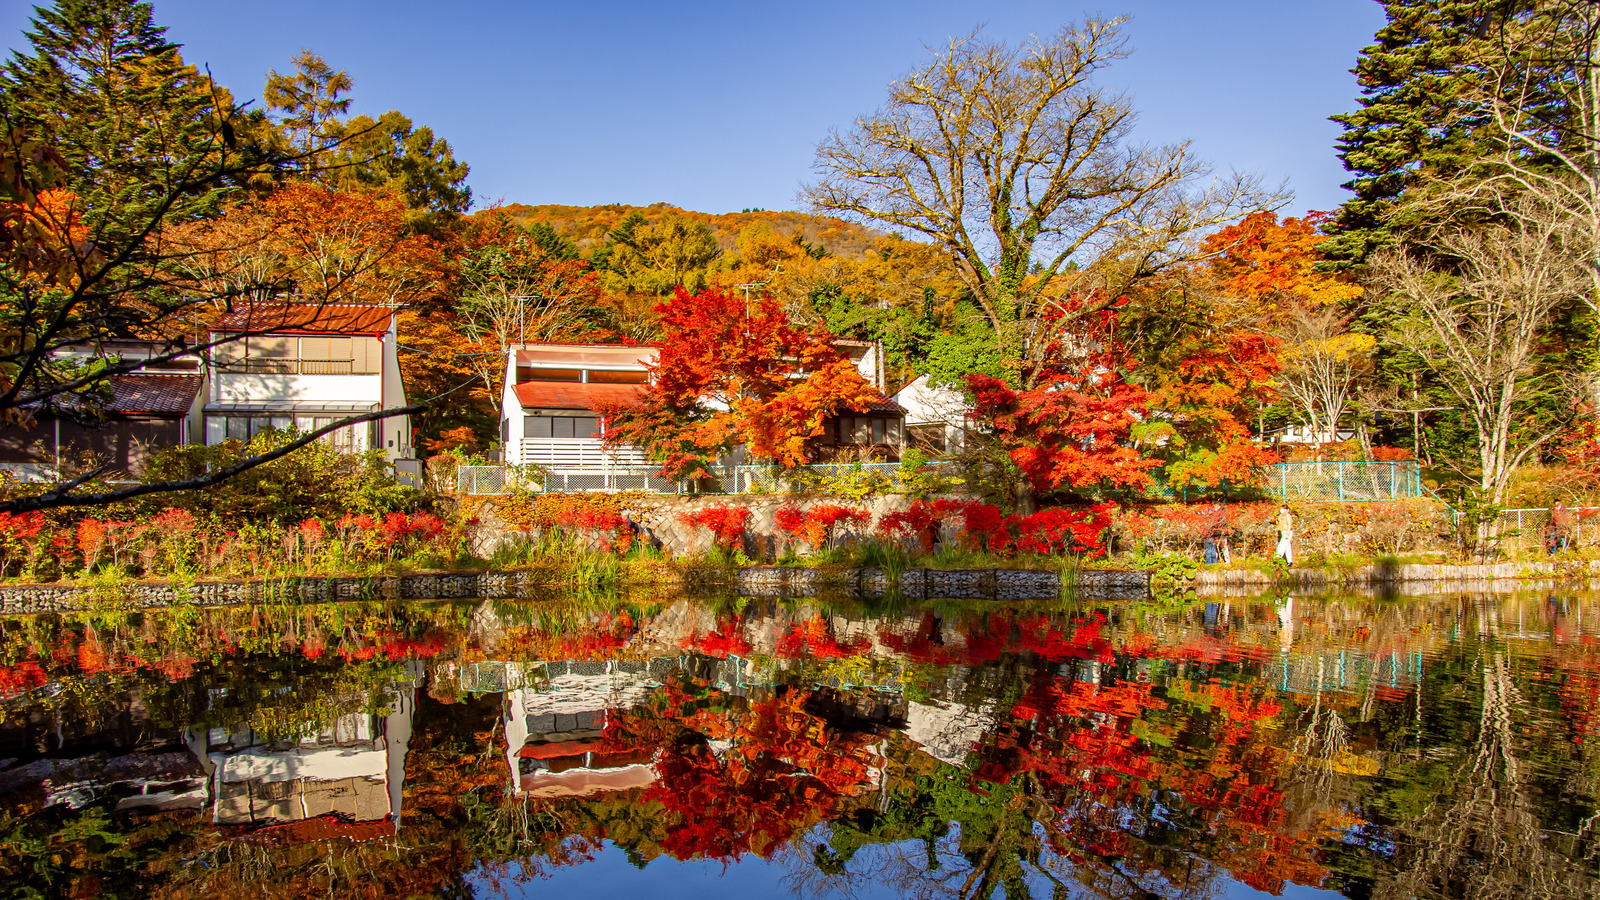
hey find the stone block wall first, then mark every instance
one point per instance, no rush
(659, 522)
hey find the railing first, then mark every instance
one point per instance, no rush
(577, 452)
(1533, 529)
(271, 366)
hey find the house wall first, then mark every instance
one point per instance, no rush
(239, 387)
(511, 430)
(943, 406)
(396, 431)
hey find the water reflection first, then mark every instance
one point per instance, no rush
(1431, 748)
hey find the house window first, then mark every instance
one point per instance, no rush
(532, 373)
(601, 376)
(561, 427)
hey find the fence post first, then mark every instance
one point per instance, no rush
(1340, 464)
(1283, 475)
(1394, 488)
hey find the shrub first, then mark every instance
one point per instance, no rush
(815, 525)
(1062, 530)
(726, 524)
(923, 521)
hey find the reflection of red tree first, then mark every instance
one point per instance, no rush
(783, 771)
(727, 639)
(814, 638)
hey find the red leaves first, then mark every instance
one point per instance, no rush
(731, 372)
(726, 523)
(923, 521)
(1071, 430)
(1062, 530)
(607, 528)
(815, 525)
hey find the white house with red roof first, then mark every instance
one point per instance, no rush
(548, 411)
(549, 408)
(307, 365)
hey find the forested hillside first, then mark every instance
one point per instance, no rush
(587, 226)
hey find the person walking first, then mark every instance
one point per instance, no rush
(1285, 535)
(1563, 521)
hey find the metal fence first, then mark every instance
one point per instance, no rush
(1531, 530)
(880, 477)
(1348, 482)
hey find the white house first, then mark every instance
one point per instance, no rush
(548, 414)
(935, 416)
(306, 365)
(552, 391)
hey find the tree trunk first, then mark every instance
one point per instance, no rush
(1027, 502)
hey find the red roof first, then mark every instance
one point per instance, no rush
(152, 395)
(879, 403)
(574, 395)
(308, 318)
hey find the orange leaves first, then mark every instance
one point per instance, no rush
(815, 525)
(45, 241)
(1261, 261)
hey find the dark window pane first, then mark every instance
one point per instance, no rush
(561, 426)
(600, 376)
(543, 374)
(536, 426)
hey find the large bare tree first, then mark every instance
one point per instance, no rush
(1025, 170)
(1475, 310)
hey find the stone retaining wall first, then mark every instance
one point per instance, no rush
(660, 525)
(768, 581)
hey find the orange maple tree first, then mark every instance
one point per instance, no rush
(1262, 262)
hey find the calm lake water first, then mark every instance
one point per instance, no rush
(591, 746)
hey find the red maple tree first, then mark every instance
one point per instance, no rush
(733, 372)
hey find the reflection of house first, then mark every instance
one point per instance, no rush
(555, 731)
(935, 416)
(548, 411)
(352, 771)
(136, 414)
(305, 366)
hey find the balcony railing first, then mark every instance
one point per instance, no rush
(270, 366)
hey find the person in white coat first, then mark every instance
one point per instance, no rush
(1285, 535)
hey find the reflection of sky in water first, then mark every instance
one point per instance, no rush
(611, 875)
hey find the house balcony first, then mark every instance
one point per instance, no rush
(578, 453)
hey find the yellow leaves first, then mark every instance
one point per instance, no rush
(1340, 348)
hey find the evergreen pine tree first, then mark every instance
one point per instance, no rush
(104, 88)
(1414, 119)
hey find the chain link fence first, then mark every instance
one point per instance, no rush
(1340, 481)
(479, 480)
(1344, 481)
(1536, 531)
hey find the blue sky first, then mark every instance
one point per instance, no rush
(717, 106)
